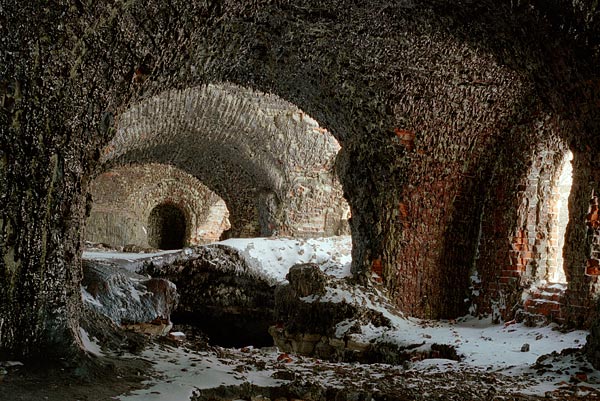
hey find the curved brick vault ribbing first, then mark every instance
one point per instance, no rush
(269, 161)
(439, 106)
(124, 198)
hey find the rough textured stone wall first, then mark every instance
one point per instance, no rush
(271, 163)
(435, 217)
(45, 156)
(422, 96)
(124, 198)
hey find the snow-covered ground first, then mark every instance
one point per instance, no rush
(275, 256)
(128, 260)
(508, 352)
(124, 256)
(486, 348)
(181, 371)
(271, 257)
(490, 351)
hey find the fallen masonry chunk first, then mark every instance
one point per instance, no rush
(307, 279)
(177, 335)
(128, 299)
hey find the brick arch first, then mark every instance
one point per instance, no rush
(518, 246)
(243, 144)
(457, 62)
(196, 201)
(431, 94)
(124, 197)
(535, 246)
(541, 247)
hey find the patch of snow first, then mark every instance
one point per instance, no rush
(269, 258)
(89, 298)
(182, 371)
(435, 364)
(481, 343)
(275, 256)
(558, 286)
(133, 262)
(559, 373)
(342, 327)
(89, 345)
(125, 256)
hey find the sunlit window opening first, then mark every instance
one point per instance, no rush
(556, 273)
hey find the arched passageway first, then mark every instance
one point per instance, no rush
(536, 255)
(167, 227)
(437, 107)
(272, 164)
(123, 198)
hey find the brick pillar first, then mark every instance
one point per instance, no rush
(582, 241)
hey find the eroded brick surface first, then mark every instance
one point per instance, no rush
(124, 198)
(270, 161)
(485, 87)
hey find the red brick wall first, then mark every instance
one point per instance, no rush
(517, 245)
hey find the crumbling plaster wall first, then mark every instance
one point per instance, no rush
(124, 197)
(355, 68)
(275, 164)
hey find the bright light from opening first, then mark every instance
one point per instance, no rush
(557, 274)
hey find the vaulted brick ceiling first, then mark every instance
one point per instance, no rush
(440, 108)
(239, 142)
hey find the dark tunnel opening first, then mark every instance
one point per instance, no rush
(167, 227)
(229, 329)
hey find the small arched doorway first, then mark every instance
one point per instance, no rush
(167, 227)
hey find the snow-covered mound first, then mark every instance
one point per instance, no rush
(506, 358)
(128, 260)
(125, 297)
(275, 256)
(270, 257)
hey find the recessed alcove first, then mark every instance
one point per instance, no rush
(167, 227)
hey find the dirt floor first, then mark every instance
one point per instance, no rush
(111, 378)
